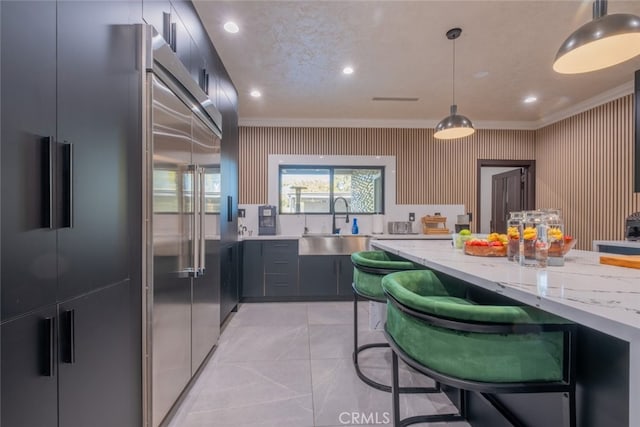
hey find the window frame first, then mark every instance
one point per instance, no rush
(332, 169)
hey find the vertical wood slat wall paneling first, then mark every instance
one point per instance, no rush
(428, 171)
(585, 168)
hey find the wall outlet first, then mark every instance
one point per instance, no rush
(412, 216)
(242, 213)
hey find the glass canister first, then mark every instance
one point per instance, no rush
(555, 233)
(533, 239)
(514, 229)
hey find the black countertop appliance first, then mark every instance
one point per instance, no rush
(267, 220)
(632, 228)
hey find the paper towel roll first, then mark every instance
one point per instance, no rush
(378, 224)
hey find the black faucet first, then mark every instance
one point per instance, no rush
(346, 212)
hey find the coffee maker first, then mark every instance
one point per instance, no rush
(267, 220)
(632, 230)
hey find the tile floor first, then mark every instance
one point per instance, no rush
(289, 365)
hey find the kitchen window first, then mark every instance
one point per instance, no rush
(312, 189)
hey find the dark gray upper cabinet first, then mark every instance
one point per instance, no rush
(158, 14)
(96, 84)
(29, 260)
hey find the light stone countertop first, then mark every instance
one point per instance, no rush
(603, 297)
(385, 236)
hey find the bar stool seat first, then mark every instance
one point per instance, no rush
(369, 269)
(434, 327)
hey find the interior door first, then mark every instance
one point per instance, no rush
(173, 248)
(508, 191)
(205, 325)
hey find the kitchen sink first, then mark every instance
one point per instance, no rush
(332, 244)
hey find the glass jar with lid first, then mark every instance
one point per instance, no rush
(514, 230)
(555, 234)
(533, 239)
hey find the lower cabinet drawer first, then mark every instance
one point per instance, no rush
(280, 285)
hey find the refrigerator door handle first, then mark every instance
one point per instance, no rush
(195, 226)
(202, 221)
(48, 166)
(229, 208)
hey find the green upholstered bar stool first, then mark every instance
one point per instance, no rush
(369, 269)
(437, 329)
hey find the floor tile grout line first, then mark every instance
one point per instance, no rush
(313, 405)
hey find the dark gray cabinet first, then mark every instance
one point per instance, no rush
(252, 269)
(97, 369)
(158, 14)
(29, 370)
(270, 268)
(280, 259)
(96, 75)
(70, 141)
(29, 257)
(345, 275)
(326, 276)
(318, 275)
(229, 288)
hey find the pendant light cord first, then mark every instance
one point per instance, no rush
(453, 73)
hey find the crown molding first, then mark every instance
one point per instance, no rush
(373, 123)
(607, 96)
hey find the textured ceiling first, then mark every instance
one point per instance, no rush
(294, 51)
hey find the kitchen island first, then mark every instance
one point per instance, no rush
(604, 300)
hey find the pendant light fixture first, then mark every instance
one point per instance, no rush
(454, 125)
(605, 41)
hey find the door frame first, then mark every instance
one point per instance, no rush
(529, 165)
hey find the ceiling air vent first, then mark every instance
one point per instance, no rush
(394, 98)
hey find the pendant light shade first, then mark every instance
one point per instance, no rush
(454, 125)
(605, 41)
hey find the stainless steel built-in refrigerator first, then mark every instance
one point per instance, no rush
(182, 197)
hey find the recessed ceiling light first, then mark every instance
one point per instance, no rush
(481, 74)
(255, 93)
(347, 70)
(530, 99)
(231, 27)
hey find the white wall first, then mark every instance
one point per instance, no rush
(486, 194)
(295, 224)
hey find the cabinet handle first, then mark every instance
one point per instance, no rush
(166, 27)
(174, 37)
(67, 186)
(206, 82)
(49, 359)
(229, 207)
(69, 329)
(47, 168)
